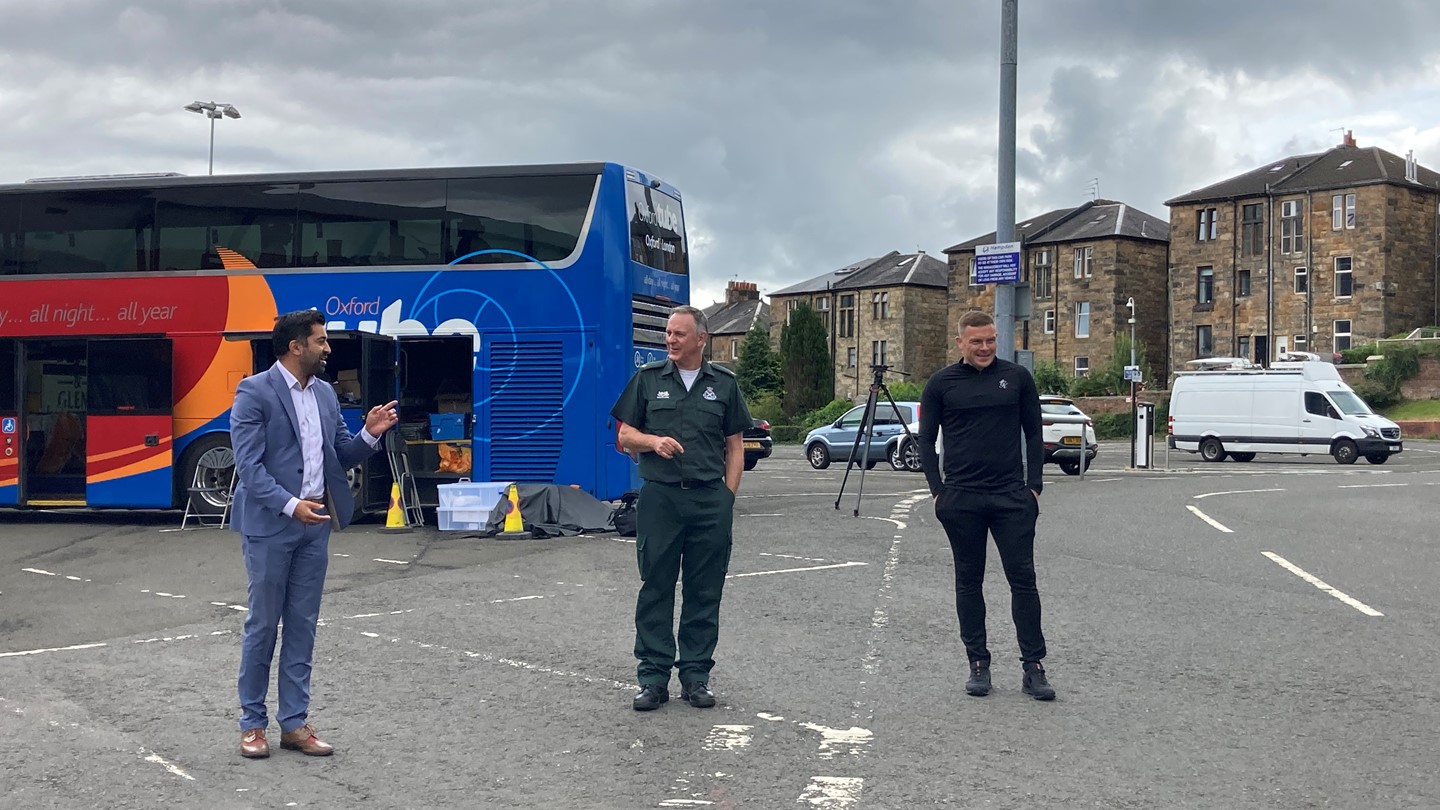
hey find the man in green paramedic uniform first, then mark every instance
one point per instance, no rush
(683, 419)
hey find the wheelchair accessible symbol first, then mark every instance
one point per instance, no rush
(7, 425)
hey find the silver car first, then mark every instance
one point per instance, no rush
(836, 441)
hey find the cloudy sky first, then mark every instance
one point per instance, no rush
(804, 134)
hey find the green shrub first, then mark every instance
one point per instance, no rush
(1051, 379)
(1376, 394)
(767, 406)
(1101, 382)
(905, 390)
(1357, 354)
(825, 415)
(1112, 425)
(787, 434)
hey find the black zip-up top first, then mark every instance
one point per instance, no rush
(982, 412)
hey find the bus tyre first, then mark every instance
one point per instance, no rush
(818, 456)
(1345, 452)
(1243, 456)
(1212, 450)
(207, 468)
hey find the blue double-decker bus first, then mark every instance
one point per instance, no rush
(504, 308)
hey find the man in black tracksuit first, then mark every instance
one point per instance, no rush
(983, 404)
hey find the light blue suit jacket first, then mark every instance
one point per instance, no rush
(265, 435)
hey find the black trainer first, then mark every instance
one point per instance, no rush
(1035, 684)
(650, 696)
(979, 682)
(697, 694)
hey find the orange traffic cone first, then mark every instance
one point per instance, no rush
(514, 528)
(395, 516)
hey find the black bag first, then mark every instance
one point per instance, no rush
(623, 518)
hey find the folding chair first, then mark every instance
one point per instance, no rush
(203, 492)
(401, 474)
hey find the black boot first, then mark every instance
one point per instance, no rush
(979, 682)
(1035, 684)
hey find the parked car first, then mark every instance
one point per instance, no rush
(757, 443)
(835, 441)
(905, 453)
(1062, 428)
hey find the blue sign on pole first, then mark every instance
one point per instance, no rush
(998, 263)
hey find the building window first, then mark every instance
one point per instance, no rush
(734, 348)
(1342, 212)
(822, 306)
(1242, 283)
(1292, 228)
(1252, 230)
(1044, 275)
(1049, 321)
(851, 357)
(845, 326)
(790, 309)
(1084, 262)
(1342, 335)
(1205, 219)
(1205, 285)
(1082, 319)
(1300, 343)
(877, 352)
(1344, 280)
(974, 274)
(1204, 341)
(1082, 365)
(1243, 346)
(880, 305)
(1302, 280)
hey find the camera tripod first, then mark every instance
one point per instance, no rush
(867, 429)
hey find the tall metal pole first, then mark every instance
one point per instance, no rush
(1134, 404)
(212, 142)
(1005, 208)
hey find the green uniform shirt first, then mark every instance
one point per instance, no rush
(656, 402)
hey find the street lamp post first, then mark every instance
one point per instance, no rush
(1134, 428)
(213, 110)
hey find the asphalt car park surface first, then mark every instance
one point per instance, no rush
(1221, 635)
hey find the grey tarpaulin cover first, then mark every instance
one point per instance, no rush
(551, 510)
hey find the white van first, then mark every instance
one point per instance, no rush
(1297, 408)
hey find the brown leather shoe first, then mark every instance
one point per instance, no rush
(253, 745)
(303, 739)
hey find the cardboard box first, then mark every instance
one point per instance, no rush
(453, 403)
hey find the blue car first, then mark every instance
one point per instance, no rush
(835, 441)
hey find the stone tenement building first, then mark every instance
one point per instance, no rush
(1083, 265)
(885, 311)
(1314, 253)
(732, 319)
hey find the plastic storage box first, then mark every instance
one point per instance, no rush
(466, 505)
(447, 426)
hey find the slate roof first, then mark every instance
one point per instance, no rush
(736, 318)
(1343, 166)
(1096, 219)
(894, 269)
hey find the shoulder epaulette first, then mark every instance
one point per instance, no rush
(655, 364)
(722, 369)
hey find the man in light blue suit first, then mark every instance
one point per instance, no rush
(291, 453)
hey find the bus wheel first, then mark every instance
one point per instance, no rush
(1243, 456)
(1345, 452)
(1212, 450)
(206, 473)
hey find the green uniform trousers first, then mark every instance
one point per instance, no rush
(680, 532)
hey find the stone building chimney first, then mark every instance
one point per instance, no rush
(1349, 139)
(737, 291)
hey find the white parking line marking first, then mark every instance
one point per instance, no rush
(392, 562)
(832, 740)
(727, 737)
(516, 599)
(796, 570)
(167, 765)
(1368, 486)
(793, 557)
(1236, 492)
(832, 792)
(52, 649)
(1317, 582)
(1212, 521)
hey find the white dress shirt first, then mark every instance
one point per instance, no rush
(312, 441)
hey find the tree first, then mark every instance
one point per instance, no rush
(758, 369)
(805, 362)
